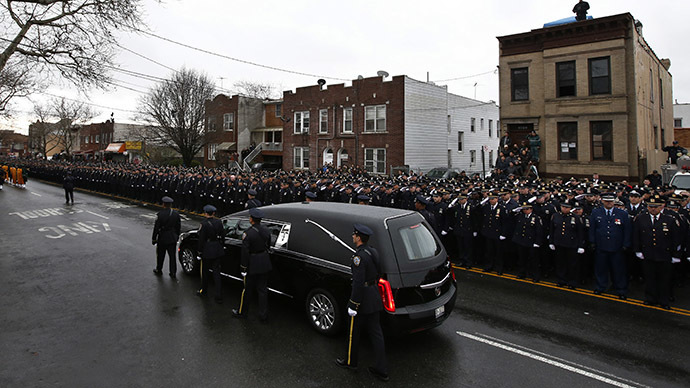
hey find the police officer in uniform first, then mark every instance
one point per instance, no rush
(567, 239)
(493, 230)
(656, 239)
(166, 231)
(465, 226)
(252, 202)
(255, 265)
(211, 247)
(528, 236)
(365, 304)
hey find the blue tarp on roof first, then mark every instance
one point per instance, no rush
(567, 20)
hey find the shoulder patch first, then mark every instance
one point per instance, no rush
(244, 235)
(356, 260)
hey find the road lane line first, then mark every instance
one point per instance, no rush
(549, 361)
(36, 194)
(97, 215)
(562, 360)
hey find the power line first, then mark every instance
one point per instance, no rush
(90, 103)
(241, 60)
(467, 76)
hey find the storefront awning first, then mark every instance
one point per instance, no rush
(227, 146)
(116, 147)
(268, 129)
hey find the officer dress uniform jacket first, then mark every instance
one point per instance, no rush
(255, 243)
(252, 203)
(610, 234)
(529, 230)
(465, 220)
(211, 239)
(166, 229)
(493, 221)
(365, 297)
(567, 231)
(659, 241)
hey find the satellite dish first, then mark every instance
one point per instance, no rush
(321, 82)
(382, 73)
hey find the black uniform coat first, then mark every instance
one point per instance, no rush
(492, 221)
(529, 230)
(255, 243)
(211, 239)
(365, 297)
(567, 231)
(166, 230)
(658, 242)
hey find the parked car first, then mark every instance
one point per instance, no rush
(681, 180)
(311, 251)
(442, 173)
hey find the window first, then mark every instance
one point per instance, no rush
(375, 160)
(491, 127)
(302, 122)
(419, 242)
(600, 76)
(375, 118)
(519, 79)
(86, 140)
(491, 158)
(473, 156)
(663, 136)
(567, 141)
(347, 120)
(651, 85)
(323, 121)
(229, 121)
(656, 137)
(98, 138)
(472, 124)
(302, 157)
(279, 110)
(211, 125)
(481, 124)
(460, 139)
(212, 151)
(602, 146)
(661, 93)
(678, 123)
(565, 79)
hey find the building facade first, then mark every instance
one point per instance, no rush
(594, 91)
(382, 125)
(13, 144)
(681, 124)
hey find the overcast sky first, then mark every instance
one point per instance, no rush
(341, 40)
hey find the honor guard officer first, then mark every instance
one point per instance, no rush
(365, 304)
(567, 239)
(252, 202)
(610, 232)
(493, 230)
(465, 225)
(255, 265)
(166, 231)
(309, 196)
(211, 247)
(656, 240)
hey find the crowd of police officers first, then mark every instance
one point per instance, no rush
(575, 229)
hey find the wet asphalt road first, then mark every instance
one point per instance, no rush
(80, 307)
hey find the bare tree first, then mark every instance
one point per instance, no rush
(260, 90)
(42, 135)
(71, 37)
(175, 110)
(14, 82)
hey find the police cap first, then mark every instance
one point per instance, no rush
(251, 192)
(256, 213)
(363, 198)
(655, 201)
(309, 194)
(422, 199)
(362, 230)
(208, 209)
(167, 199)
(608, 197)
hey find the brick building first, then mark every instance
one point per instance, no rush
(595, 92)
(381, 124)
(12, 143)
(94, 138)
(681, 124)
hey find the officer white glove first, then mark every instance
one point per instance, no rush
(351, 312)
(198, 258)
(501, 238)
(535, 245)
(675, 260)
(552, 247)
(474, 234)
(580, 251)
(443, 233)
(639, 255)
(244, 274)
(687, 258)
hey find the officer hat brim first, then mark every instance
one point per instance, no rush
(362, 230)
(167, 199)
(208, 209)
(256, 213)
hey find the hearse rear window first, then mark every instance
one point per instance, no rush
(418, 241)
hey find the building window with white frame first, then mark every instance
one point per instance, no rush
(491, 159)
(98, 138)
(211, 125)
(473, 157)
(461, 136)
(302, 122)
(229, 121)
(375, 118)
(678, 123)
(323, 121)
(473, 122)
(481, 124)
(491, 127)
(302, 157)
(375, 160)
(279, 110)
(212, 151)
(347, 120)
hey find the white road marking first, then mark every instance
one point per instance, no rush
(36, 194)
(97, 215)
(533, 355)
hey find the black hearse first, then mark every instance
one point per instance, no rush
(311, 252)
